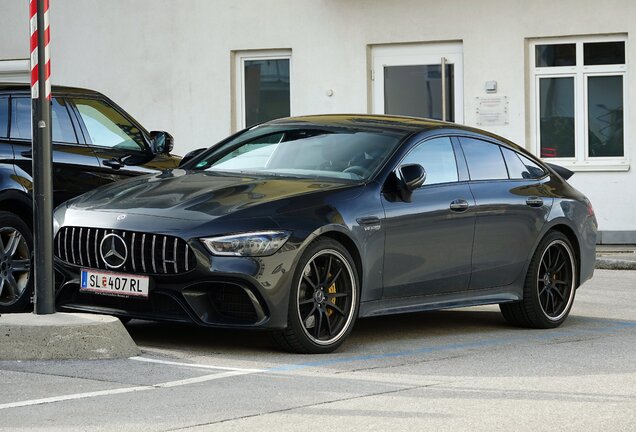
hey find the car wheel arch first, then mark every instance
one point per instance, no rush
(342, 236)
(20, 204)
(563, 226)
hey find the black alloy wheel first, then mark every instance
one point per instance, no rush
(549, 288)
(323, 301)
(16, 285)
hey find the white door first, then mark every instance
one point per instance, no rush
(409, 79)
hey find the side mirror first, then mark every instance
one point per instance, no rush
(191, 155)
(161, 142)
(411, 177)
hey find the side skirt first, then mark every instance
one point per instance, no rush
(443, 301)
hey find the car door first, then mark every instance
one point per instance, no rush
(512, 205)
(73, 163)
(429, 240)
(119, 143)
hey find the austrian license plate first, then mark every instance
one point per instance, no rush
(102, 282)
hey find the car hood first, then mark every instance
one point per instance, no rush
(193, 196)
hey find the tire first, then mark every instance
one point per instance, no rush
(323, 301)
(550, 286)
(16, 258)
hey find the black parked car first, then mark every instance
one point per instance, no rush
(302, 225)
(94, 143)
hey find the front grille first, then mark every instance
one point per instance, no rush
(147, 253)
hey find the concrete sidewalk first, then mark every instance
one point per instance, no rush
(616, 257)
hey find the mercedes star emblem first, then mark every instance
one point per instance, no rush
(113, 250)
(121, 217)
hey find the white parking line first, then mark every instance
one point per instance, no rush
(74, 396)
(169, 384)
(200, 366)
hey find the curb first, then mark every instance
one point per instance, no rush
(614, 264)
(64, 336)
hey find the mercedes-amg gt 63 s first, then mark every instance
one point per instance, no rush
(302, 225)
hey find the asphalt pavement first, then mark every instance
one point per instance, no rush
(452, 370)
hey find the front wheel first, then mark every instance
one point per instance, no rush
(549, 287)
(16, 284)
(323, 303)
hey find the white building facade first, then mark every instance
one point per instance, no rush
(552, 76)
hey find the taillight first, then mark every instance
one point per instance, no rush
(590, 209)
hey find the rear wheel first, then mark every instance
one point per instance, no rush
(323, 302)
(549, 287)
(16, 283)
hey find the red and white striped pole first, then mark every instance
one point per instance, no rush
(42, 170)
(33, 13)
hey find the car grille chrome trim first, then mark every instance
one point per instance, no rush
(163, 254)
(152, 251)
(167, 254)
(73, 244)
(143, 252)
(88, 253)
(79, 246)
(132, 252)
(174, 256)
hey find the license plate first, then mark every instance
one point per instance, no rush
(102, 282)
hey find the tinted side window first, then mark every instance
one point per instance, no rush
(516, 168)
(484, 159)
(107, 127)
(63, 130)
(520, 167)
(4, 116)
(438, 159)
(21, 120)
(535, 170)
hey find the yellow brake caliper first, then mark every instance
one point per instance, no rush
(331, 290)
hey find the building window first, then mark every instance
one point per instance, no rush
(263, 86)
(579, 90)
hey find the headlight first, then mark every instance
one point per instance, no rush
(248, 244)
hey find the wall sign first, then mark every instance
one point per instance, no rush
(492, 111)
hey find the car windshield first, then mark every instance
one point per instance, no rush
(335, 153)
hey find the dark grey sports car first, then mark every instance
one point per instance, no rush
(302, 225)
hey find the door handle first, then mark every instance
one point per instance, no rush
(459, 205)
(534, 201)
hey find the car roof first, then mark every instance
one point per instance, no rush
(403, 125)
(363, 121)
(381, 122)
(8, 87)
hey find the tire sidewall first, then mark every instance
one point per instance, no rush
(23, 303)
(532, 283)
(293, 320)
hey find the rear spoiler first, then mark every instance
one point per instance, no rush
(563, 172)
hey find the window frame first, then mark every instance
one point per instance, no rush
(29, 141)
(240, 57)
(580, 73)
(83, 131)
(424, 141)
(7, 125)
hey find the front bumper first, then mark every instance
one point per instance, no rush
(228, 292)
